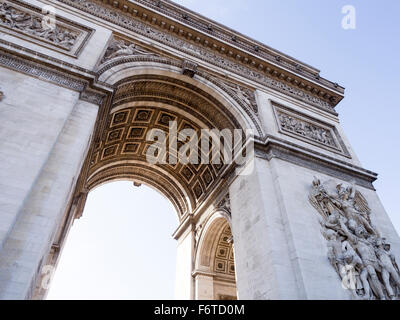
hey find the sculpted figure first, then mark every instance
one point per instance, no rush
(325, 202)
(32, 25)
(242, 96)
(335, 254)
(119, 48)
(354, 264)
(365, 248)
(347, 204)
(389, 266)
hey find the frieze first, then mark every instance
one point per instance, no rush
(28, 22)
(41, 72)
(209, 28)
(300, 126)
(126, 21)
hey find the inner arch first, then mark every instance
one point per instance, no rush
(143, 102)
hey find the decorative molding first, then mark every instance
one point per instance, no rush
(41, 72)
(171, 16)
(26, 21)
(189, 68)
(126, 20)
(356, 250)
(300, 126)
(176, 63)
(32, 55)
(274, 147)
(92, 96)
(225, 204)
(51, 74)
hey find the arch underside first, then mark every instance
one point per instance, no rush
(146, 101)
(215, 259)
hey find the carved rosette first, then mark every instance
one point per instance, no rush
(359, 254)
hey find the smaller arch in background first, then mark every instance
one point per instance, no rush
(214, 259)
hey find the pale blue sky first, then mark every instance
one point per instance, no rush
(117, 251)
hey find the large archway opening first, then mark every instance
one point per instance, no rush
(121, 248)
(152, 97)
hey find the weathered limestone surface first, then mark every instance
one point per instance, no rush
(261, 244)
(32, 114)
(204, 287)
(47, 125)
(184, 267)
(32, 235)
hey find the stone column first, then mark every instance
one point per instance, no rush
(31, 237)
(264, 269)
(184, 282)
(204, 287)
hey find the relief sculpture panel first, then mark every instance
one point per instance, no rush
(357, 251)
(43, 27)
(308, 129)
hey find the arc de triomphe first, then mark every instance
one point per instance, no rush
(83, 83)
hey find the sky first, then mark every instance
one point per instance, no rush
(110, 254)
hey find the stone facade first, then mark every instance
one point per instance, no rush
(86, 94)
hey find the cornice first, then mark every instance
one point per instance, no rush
(273, 147)
(138, 18)
(217, 31)
(53, 70)
(220, 32)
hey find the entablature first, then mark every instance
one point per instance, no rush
(206, 40)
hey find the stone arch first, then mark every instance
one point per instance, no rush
(148, 90)
(117, 69)
(214, 259)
